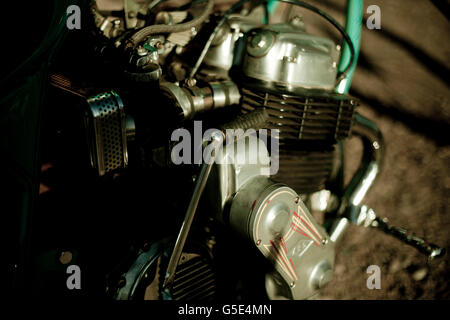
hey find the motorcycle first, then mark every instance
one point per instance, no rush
(193, 151)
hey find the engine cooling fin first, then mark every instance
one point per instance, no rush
(321, 117)
(309, 124)
(195, 280)
(305, 171)
(195, 277)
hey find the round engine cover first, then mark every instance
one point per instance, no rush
(275, 219)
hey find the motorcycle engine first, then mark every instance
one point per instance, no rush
(131, 87)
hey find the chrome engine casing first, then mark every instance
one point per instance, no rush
(288, 58)
(272, 217)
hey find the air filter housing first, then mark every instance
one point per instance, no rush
(105, 123)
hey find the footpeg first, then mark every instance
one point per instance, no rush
(368, 218)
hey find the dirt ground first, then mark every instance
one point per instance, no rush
(402, 82)
(412, 192)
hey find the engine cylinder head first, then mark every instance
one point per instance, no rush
(290, 58)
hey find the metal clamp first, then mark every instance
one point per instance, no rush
(193, 99)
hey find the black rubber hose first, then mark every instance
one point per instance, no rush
(256, 119)
(142, 34)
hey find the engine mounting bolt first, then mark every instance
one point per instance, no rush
(258, 242)
(297, 199)
(292, 284)
(258, 41)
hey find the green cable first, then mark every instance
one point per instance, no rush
(353, 27)
(272, 6)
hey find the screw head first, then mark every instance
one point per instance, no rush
(258, 41)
